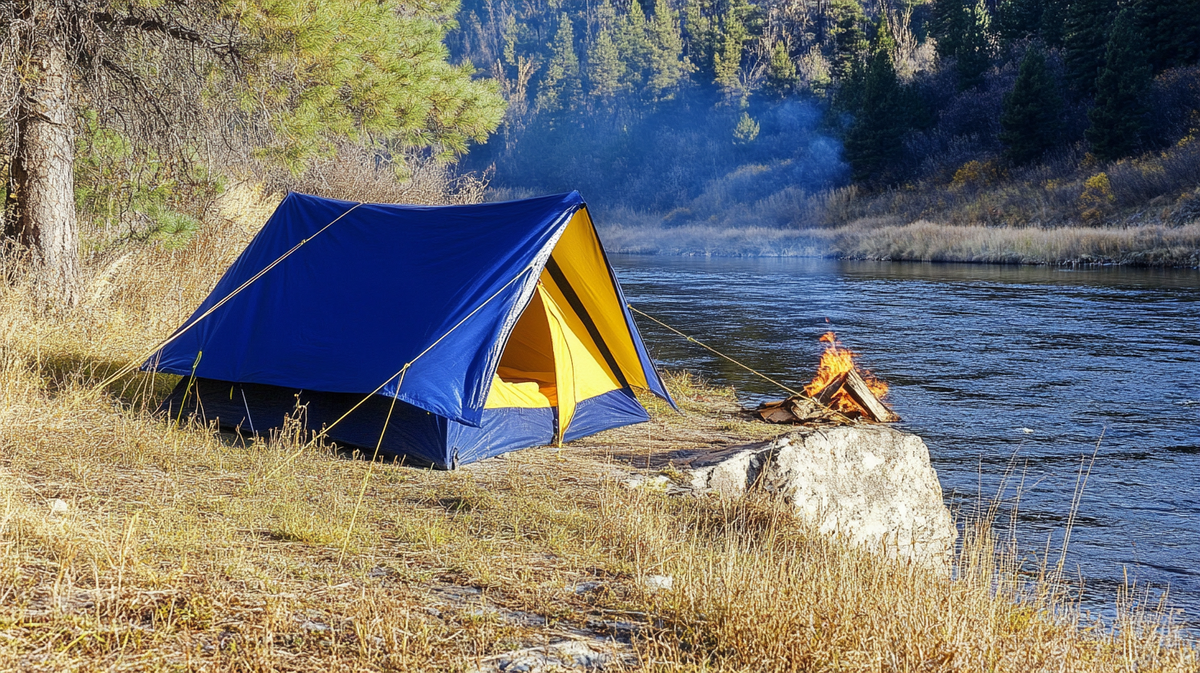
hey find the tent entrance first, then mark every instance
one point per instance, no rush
(547, 363)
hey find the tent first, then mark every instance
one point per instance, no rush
(440, 334)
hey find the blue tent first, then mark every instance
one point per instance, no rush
(468, 331)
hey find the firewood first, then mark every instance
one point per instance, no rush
(857, 389)
(776, 414)
(826, 394)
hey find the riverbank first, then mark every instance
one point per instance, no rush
(129, 542)
(923, 241)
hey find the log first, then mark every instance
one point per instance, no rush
(857, 389)
(825, 395)
(797, 410)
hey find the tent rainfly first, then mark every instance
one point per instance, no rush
(464, 331)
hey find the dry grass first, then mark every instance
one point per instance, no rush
(174, 549)
(1149, 245)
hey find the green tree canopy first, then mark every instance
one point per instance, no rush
(289, 79)
(974, 53)
(1174, 29)
(1019, 19)
(668, 66)
(1084, 39)
(847, 35)
(605, 68)
(1031, 121)
(1118, 120)
(561, 86)
(727, 61)
(873, 142)
(948, 25)
(781, 75)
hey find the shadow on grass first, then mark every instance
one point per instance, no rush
(64, 371)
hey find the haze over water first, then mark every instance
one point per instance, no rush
(985, 361)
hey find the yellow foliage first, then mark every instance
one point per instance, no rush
(1096, 198)
(978, 174)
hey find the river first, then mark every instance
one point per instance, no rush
(991, 365)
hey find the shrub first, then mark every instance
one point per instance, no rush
(1097, 198)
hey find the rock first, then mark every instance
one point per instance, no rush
(661, 483)
(870, 485)
(563, 655)
(658, 582)
(58, 507)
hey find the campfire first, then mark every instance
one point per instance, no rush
(840, 389)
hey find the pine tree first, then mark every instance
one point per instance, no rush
(560, 87)
(633, 43)
(1118, 119)
(1175, 27)
(1031, 121)
(1053, 27)
(849, 40)
(781, 75)
(873, 143)
(606, 70)
(1019, 19)
(700, 36)
(667, 64)
(974, 53)
(949, 24)
(296, 79)
(1084, 40)
(727, 61)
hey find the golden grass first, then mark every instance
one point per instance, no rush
(1146, 245)
(177, 549)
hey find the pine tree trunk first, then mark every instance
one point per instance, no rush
(43, 170)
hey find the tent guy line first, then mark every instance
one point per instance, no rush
(710, 348)
(180, 332)
(362, 491)
(325, 430)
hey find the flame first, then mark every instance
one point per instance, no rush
(835, 361)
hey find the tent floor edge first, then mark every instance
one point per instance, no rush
(415, 437)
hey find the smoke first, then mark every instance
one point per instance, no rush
(722, 173)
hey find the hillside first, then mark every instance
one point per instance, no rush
(711, 126)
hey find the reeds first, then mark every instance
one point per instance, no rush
(176, 548)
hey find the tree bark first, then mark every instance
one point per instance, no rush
(43, 169)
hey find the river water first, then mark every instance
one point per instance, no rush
(987, 363)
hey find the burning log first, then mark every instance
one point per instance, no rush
(826, 394)
(858, 389)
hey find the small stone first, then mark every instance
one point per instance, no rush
(58, 507)
(660, 483)
(658, 582)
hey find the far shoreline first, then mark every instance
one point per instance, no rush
(1147, 246)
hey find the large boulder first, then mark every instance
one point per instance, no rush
(870, 485)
